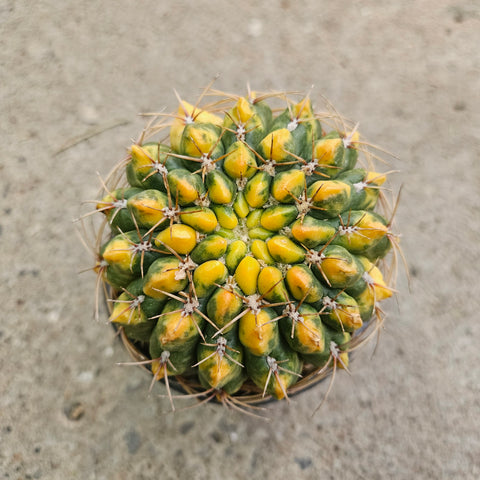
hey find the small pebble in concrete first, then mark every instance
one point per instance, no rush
(255, 27)
(108, 352)
(186, 427)
(216, 436)
(133, 441)
(88, 114)
(74, 411)
(303, 462)
(85, 377)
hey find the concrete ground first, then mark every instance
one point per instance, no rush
(408, 71)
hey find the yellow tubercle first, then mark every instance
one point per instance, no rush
(260, 252)
(365, 231)
(140, 157)
(158, 369)
(119, 253)
(208, 274)
(179, 237)
(125, 315)
(271, 286)
(282, 190)
(280, 386)
(168, 278)
(276, 218)
(226, 217)
(353, 137)
(240, 162)
(253, 219)
(325, 150)
(176, 327)
(148, 211)
(216, 247)
(345, 361)
(217, 369)
(371, 228)
(380, 289)
(257, 334)
(201, 219)
(197, 115)
(338, 270)
(244, 110)
(227, 304)
(220, 192)
(325, 189)
(276, 144)
(349, 317)
(240, 205)
(255, 191)
(198, 139)
(302, 284)
(311, 338)
(105, 205)
(301, 231)
(283, 250)
(187, 193)
(375, 178)
(303, 109)
(246, 275)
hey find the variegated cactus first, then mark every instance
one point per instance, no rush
(244, 254)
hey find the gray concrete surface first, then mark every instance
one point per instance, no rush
(408, 71)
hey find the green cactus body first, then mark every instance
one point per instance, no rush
(246, 251)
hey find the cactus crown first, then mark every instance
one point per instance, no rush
(243, 250)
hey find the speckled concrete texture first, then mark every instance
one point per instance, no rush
(408, 71)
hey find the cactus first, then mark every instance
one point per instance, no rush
(244, 258)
